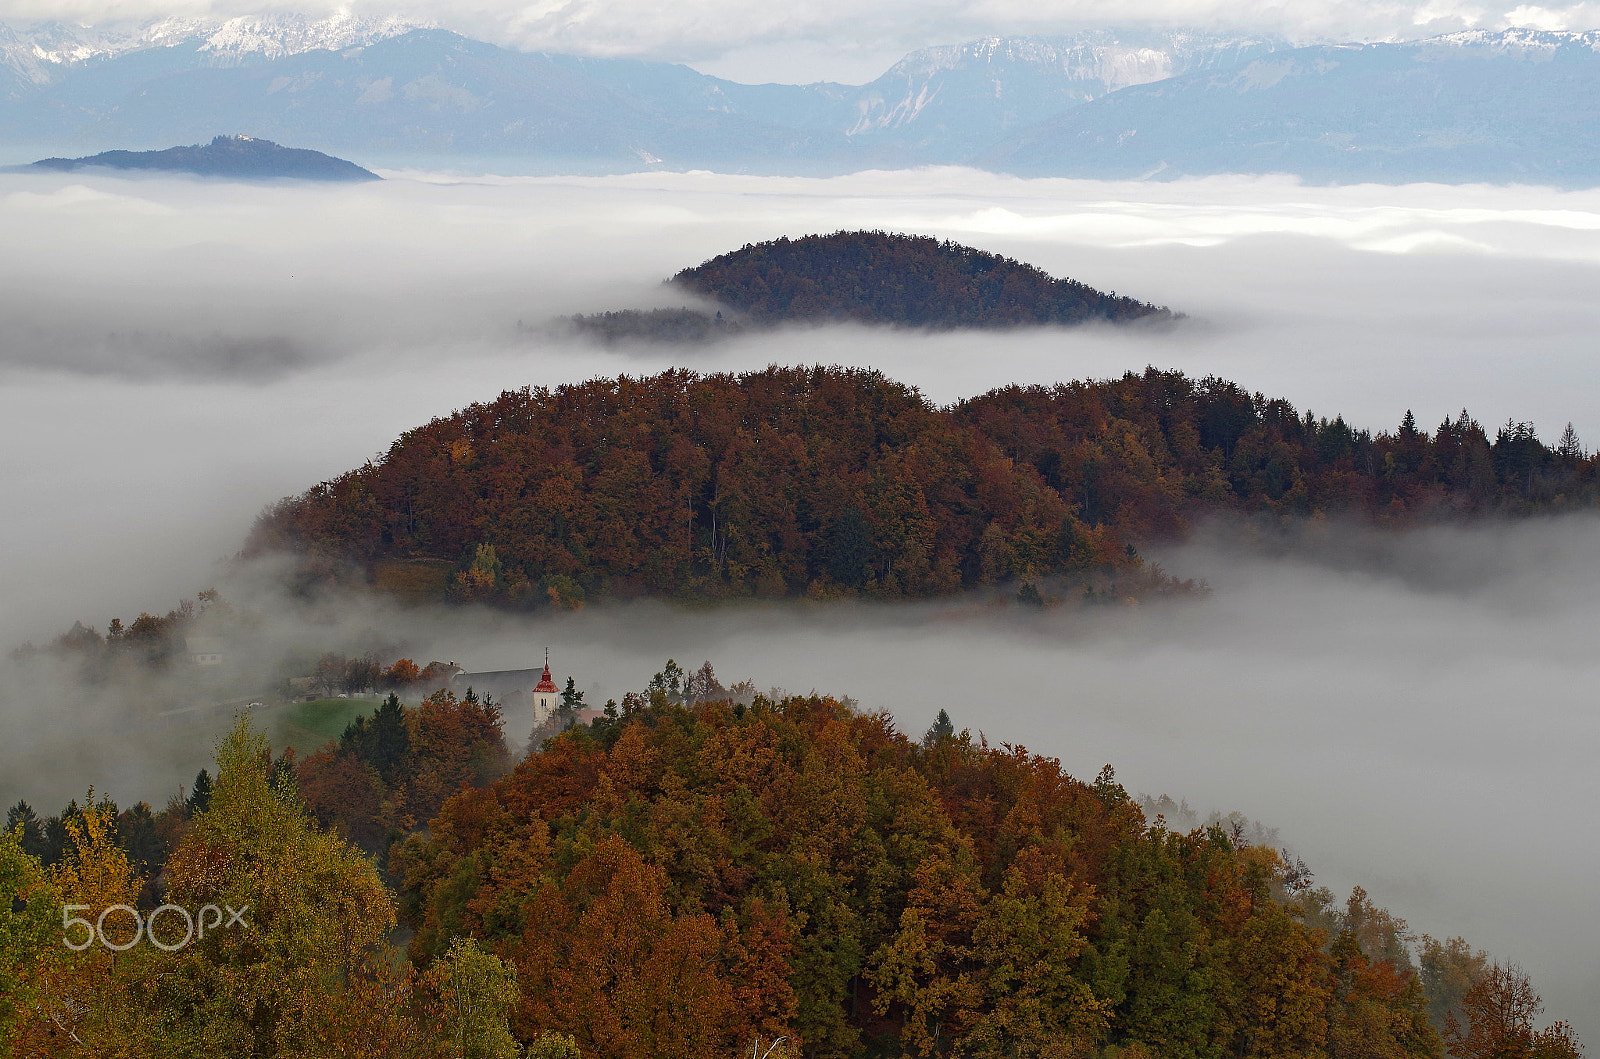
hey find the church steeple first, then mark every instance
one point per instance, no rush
(546, 686)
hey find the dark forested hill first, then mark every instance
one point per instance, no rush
(906, 280)
(239, 157)
(828, 480)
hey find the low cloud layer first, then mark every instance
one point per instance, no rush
(179, 354)
(1413, 713)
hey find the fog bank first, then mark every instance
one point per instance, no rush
(1414, 712)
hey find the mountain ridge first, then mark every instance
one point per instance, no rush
(1509, 106)
(1469, 106)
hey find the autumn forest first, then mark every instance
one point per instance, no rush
(706, 871)
(828, 482)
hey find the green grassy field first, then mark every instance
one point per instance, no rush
(306, 726)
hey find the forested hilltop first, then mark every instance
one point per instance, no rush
(705, 872)
(833, 481)
(912, 280)
(870, 277)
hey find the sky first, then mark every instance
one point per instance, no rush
(841, 40)
(1414, 713)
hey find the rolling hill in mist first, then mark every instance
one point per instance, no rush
(1479, 106)
(825, 482)
(869, 277)
(915, 281)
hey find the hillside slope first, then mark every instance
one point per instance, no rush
(796, 869)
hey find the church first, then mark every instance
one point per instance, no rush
(526, 691)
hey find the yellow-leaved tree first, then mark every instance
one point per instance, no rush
(474, 991)
(31, 953)
(294, 961)
(85, 1001)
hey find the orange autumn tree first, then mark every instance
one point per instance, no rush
(603, 956)
(1500, 1021)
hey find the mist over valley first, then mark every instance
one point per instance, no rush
(1410, 707)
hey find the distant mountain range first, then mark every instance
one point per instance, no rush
(225, 156)
(1512, 105)
(1518, 106)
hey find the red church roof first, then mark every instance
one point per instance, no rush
(546, 685)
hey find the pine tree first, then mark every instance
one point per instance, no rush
(31, 837)
(391, 743)
(1569, 447)
(199, 799)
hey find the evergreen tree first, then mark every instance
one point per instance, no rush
(199, 799)
(22, 818)
(58, 834)
(1569, 447)
(389, 749)
(666, 686)
(141, 839)
(849, 549)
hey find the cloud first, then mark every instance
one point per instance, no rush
(1412, 712)
(1559, 17)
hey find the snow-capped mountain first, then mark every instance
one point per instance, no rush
(1522, 43)
(41, 52)
(969, 93)
(1516, 105)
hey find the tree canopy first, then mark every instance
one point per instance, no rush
(707, 871)
(832, 481)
